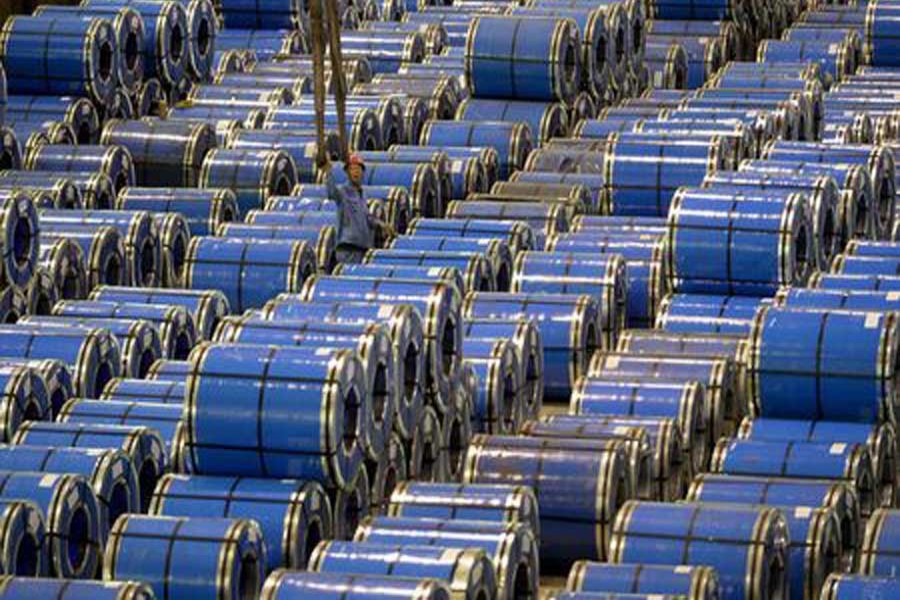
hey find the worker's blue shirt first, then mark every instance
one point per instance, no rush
(354, 223)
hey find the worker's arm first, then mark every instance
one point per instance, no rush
(335, 193)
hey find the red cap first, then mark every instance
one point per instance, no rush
(356, 159)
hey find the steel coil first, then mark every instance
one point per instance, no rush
(14, 303)
(516, 234)
(498, 254)
(206, 307)
(789, 493)
(879, 545)
(420, 179)
(177, 330)
(442, 329)
(55, 375)
(545, 219)
(841, 462)
(166, 369)
(23, 525)
(20, 588)
(859, 361)
(545, 183)
(248, 272)
(350, 504)
(466, 571)
(701, 313)
(839, 586)
(372, 343)
(139, 343)
(297, 143)
(322, 238)
(498, 403)
(144, 390)
(426, 453)
(413, 154)
(292, 585)
(696, 583)
(113, 161)
(475, 270)
(881, 440)
(192, 555)
(96, 190)
(142, 445)
(511, 547)
(293, 515)
(449, 275)
(165, 153)
(60, 56)
(872, 283)
(771, 236)
(511, 141)
(64, 261)
(253, 176)
(547, 120)
(844, 264)
(573, 524)
(150, 100)
(167, 38)
(53, 193)
(386, 473)
(330, 453)
(363, 127)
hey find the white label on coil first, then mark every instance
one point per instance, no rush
(323, 351)
(612, 362)
(620, 430)
(893, 295)
(802, 512)
(117, 470)
(47, 480)
(434, 271)
(872, 320)
(385, 311)
(837, 448)
(680, 569)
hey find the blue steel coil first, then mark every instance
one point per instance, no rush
(349, 505)
(64, 260)
(516, 234)
(496, 250)
(203, 32)
(363, 127)
(61, 192)
(20, 588)
(420, 179)
(704, 56)
(385, 53)
(19, 222)
(498, 403)
(746, 545)
(206, 307)
(723, 404)
(603, 278)
(248, 272)
(139, 344)
(568, 156)
(644, 261)
(56, 377)
(511, 547)
(544, 218)
(700, 313)
(675, 162)
(225, 119)
(450, 275)
(180, 556)
(763, 124)
(322, 237)
(498, 64)
(844, 264)
(872, 248)
(96, 189)
(294, 142)
(574, 197)
(839, 497)
(573, 524)
(433, 34)
(841, 586)
(164, 418)
(740, 136)
(271, 14)
(252, 175)
(75, 533)
(150, 100)
(696, 583)
(873, 283)
(466, 571)
(25, 398)
(77, 112)
(174, 237)
(568, 324)
(635, 445)
(35, 133)
(559, 594)
(328, 452)
(293, 585)
(852, 128)
(171, 370)
(511, 141)
(838, 355)
(254, 83)
(880, 34)
(143, 445)
(881, 440)
(426, 452)
(388, 109)
(804, 109)
(761, 245)
(372, 342)
(59, 56)
(26, 551)
(878, 551)
(413, 154)
(91, 354)
(668, 65)
(14, 303)
(499, 503)
(137, 229)
(293, 515)
(611, 223)
(437, 94)
(177, 330)
(267, 44)
(10, 149)
(457, 423)
(405, 325)
(442, 330)
(167, 38)
(547, 120)
(477, 272)
(857, 203)
(526, 340)
(165, 153)
(102, 255)
(846, 299)
(836, 59)
(850, 463)
(113, 161)
(386, 473)
(144, 390)
(129, 32)
(593, 183)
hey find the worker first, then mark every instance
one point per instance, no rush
(356, 226)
